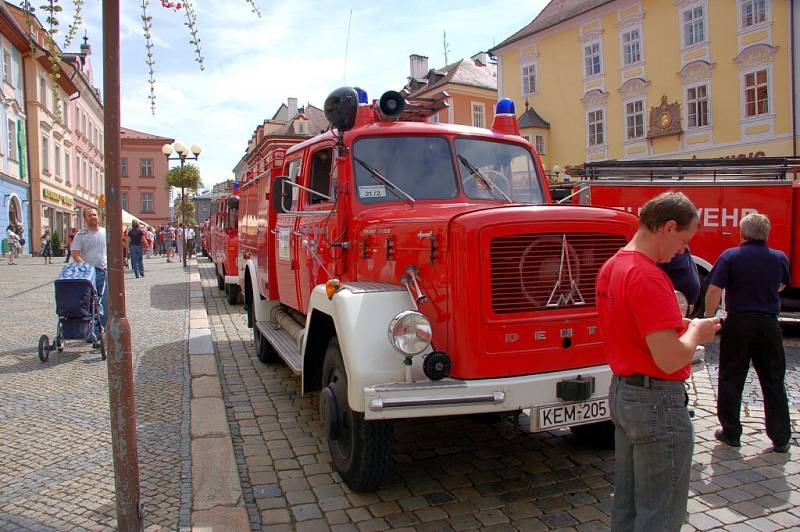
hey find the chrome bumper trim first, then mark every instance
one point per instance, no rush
(380, 404)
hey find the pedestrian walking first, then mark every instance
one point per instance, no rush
(151, 241)
(72, 233)
(136, 239)
(169, 237)
(13, 239)
(649, 347)
(181, 241)
(190, 240)
(752, 275)
(47, 247)
(89, 245)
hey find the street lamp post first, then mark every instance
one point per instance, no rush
(183, 155)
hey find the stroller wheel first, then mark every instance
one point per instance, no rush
(44, 348)
(59, 343)
(102, 348)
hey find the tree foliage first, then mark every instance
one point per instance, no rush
(186, 208)
(186, 177)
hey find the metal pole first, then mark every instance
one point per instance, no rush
(118, 330)
(183, 217)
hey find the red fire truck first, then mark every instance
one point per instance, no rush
(224, 244)
(407, 269)
(724, 191)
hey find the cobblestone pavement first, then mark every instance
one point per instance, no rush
(461, 473)
(56, 468)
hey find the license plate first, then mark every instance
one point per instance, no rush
(566, 414)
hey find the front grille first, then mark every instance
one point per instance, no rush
(547, 270)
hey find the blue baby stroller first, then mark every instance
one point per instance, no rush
(78, 306)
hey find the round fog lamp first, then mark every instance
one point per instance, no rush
(410, 332)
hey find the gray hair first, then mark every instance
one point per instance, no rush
(754, 226)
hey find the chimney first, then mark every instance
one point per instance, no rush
(419, 66)
(482, 58)
(292, 105)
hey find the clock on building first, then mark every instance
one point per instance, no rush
(665, 119)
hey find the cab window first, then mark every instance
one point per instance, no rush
(320, 180)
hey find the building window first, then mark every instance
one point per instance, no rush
(434, 119)
(123, 167)
(146, 167)
(631, 47)
(591, 56)
(86, 177)
(124, 198)
(756, 93)
(147, 202)
(693, 26)
(753, 12)
(57, 159)
(539, 144)
(67, 162)
(43, 91)
(12, 140)
(697, 106)
(66, 112)
(478, 114)
(7, 75)
(595, 122)
(634, 120)
(56, 104)
(45, 154)
(528, 79)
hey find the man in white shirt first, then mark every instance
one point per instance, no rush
(89, 245)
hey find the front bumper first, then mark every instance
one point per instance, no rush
(450, 397)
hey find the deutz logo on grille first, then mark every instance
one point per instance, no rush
(565, 291)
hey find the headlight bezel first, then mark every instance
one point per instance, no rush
(414, 319)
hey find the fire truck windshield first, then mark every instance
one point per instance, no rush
(496, 170)
(419, 166)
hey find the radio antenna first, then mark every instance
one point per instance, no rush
(446, 46)
(347, 48)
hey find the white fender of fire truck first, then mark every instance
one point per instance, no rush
(701, 262)
(361, 313)
(261, 307)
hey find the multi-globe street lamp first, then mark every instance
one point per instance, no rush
(182, 156)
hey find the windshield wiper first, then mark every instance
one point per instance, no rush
(486, 181)
(377, 176)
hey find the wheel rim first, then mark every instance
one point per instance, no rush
(337, 381)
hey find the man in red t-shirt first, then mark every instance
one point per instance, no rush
(650, 347)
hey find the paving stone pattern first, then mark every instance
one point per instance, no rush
(462, 473)
(56, 469)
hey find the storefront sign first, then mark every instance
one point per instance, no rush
(55, 196)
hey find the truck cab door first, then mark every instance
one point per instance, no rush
(286, 244)
(316, 225)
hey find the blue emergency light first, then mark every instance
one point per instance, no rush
(505, 106)
(362, 95)
(236, 185)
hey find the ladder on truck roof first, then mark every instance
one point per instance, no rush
(774, 168)
(418, 109)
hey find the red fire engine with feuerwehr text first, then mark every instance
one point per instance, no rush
(406, 269)
(723, 190)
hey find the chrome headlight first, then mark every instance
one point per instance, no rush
(410, 332)
(683, 303)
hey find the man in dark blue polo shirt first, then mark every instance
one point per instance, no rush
(752, 275)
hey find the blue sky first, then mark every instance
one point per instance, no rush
(296, 49)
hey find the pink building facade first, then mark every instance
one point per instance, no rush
(144, 189)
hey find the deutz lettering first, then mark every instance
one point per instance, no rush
(713, 216)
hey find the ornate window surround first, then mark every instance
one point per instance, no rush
(625, 25)
(692, 75)
(752, 59)
(529, 59)
(592, 101)
(754, 27)
(685, 5)
(593, 36)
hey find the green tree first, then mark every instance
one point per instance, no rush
(184, 208)
(186, 177)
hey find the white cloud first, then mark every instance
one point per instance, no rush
(297, 49)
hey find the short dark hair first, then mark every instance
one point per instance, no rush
(665, 207)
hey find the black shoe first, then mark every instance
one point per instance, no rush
(720, 435)
(782, 448)
(96, 345)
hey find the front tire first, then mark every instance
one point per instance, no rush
(232, 293)
(220, 282)
(359, 448)
(264, 350)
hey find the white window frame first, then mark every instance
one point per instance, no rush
(478, 114)
(11, 132)
(628, 115)
(602, 123)
(67, 172)
(123, 167)
(526, 78)
(690, 8)
(45, 154)
(123, 198)
(152, 202)
(43, 91)
(741, 6)
(770, 105)
(689, 104)
(539, 144)
(639, 40)
(434, 118)
(149, 165)
(589, 44)
(57, 158)
(8, 73)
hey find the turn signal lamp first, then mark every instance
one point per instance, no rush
(505, 118)
(331, 287)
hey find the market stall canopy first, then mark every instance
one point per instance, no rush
(128, 218)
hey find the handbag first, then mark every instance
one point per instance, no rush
(21, 241)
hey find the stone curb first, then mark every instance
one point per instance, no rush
(217, 502)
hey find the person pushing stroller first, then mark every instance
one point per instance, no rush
(89, 245)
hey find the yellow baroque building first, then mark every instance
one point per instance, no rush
(653, 79)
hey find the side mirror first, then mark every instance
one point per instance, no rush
(281, 194)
